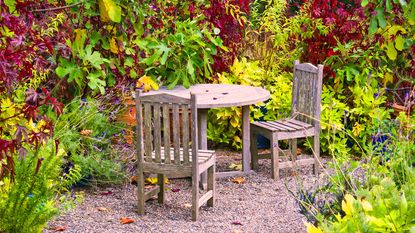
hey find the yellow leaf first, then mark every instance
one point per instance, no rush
(234, 122)
(388, 78)
(154, 180)
(80, 37)
(113, 45)
(151, 180)
(147, 83)
(347, 204)
(366, 206)
(312, 229)
(235, 166)
(391, 51)
(109, 11)
(237, 138)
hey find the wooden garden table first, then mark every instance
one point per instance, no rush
(222, 96)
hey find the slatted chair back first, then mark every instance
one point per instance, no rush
(163, 140)
(306, 92)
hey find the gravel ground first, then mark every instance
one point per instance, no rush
(258, 205)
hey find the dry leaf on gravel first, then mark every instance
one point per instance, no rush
(125, 220)
(102, 209)
(238, 180)
(59, 228)
(236, 166)
(105, 193)
(133, 180)
(188, 205)
(154, 180)
(175, 190)
(236, 223)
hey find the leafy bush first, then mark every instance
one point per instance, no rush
(374, 194)
(86, 130)
(224, 124)
(29, 199)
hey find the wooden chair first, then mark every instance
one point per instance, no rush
(304, 121)
(155, 155)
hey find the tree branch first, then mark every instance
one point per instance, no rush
(57, 8)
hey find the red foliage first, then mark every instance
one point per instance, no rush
(24, 49)
(346, 22)
(231, 31)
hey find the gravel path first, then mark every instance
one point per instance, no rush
(258, 205)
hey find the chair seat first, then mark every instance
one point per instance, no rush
(285, 125)
(286, 129)
(206, 159)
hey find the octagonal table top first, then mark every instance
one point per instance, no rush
(218, 95)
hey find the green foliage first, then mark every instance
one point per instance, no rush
(30, 200)
(376, 193)
(86, 133)
(224, 124)
(383, 208)
(184, 56)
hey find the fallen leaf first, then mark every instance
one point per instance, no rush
(133, 180)
(105, 193)
(102, 209)
(175, 190)
(238, 180)
(151, 180)
(154, 180)
(235, 166)
(125, 220)
(294, 173)
(299, 151)
(59, 228)
(188, 205)
(237, 223)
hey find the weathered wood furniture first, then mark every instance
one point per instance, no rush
(304, 121)
(222, 96)
(156, 155)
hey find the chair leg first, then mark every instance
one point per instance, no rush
(140, 193)
(254, 151)
(274, 157)
(211, 185)
(293, 147)
(316, 152)
(195, 196)
(161, 182)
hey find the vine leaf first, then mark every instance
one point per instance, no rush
(109, 11)
(391, 51)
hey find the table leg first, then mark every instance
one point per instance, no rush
(246, 153)
(202, 135)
